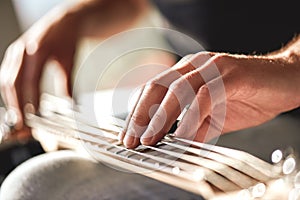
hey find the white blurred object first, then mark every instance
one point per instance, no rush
(258, 190)
(277, 156)
(294, 194)
(29, 11)
(289, 165)
(297, 180)
(10, 117)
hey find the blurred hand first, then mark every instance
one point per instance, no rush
(55, 37)
(52, 37)
(224, 93)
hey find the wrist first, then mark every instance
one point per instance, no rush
(287, 61)
(290, 59)
(290, 53)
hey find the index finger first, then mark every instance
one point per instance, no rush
(10, 67)
(151, 98)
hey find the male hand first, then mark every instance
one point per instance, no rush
(52, 37)
(224, 93)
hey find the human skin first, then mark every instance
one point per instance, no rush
(225, 92)
(55, 36)
(257, 88)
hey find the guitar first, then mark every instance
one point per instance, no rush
(214, 172)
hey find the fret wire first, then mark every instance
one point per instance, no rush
(229, 152)
(218, 150)
(235, 176)
(236, 164)
(93, 139)
(209, 148)
(254, 162)
(204, 187)
(120, 151)
(134, 152)
(173, 163)
(223, 186)
(110, 146)
(211, 177)
(130, 155)
(165, 169)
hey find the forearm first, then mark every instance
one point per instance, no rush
(290, 62)
(102, 18)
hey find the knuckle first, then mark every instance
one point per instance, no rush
(186, 59)
(151, 84)
(160, 117)
(139, 119)
(221, 57)
(199, 59)
(182, 92)
(223, 62)
(178, 85)
(205, 54)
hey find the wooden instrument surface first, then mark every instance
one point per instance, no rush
(208, 170)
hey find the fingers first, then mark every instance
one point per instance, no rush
(123, 132)
(66, 63)
(20, 77)
(162, 120)
(163, 99)
(28, 82)
(180, 93)
(147, 105)
(151, 96)
(164, 81)
(205, 117)
(10, 67)
(10, 100)
(198, 111)
(141, 116)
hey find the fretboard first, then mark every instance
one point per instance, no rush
(205, 169)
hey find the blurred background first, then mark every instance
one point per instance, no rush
(17, 15)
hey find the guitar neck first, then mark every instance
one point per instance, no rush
(204, 169)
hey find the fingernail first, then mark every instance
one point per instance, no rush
(181, 130)
(146, 140)
(11, 117)
(128, 141)
(29, 108)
